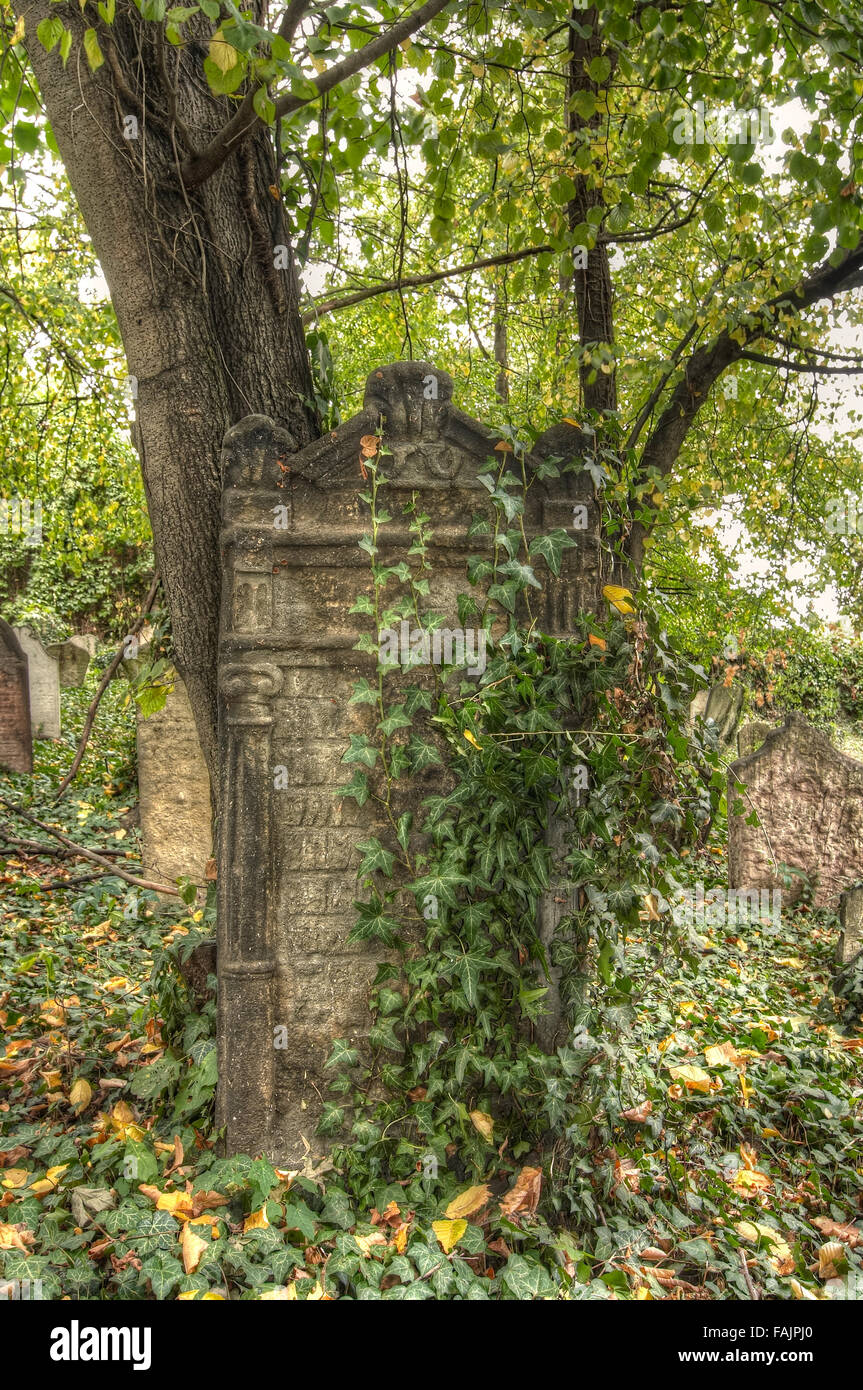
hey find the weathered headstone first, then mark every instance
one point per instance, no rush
(288, 982)
(16, 743)
(751, 736)
(698, 705)
(174, 793)
(44, 676)
(850, 941)
(73, 658)
(809, 800)
(724, 707)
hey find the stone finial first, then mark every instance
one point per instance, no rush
(413, 397)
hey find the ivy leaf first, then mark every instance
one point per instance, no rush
(522, 575)
(363, 694)
(361, 751)
(526, 1280)
(421, 754)
(376, 859)
(342, 1054)
(551, 547)
(396, 719)
(374, 924)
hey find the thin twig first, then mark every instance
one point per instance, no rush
(103, 686)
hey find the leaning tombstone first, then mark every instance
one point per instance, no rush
(724, 707)
(73, 659)
(289, 984)
(16, 743)
(44, 676)
(851, 920)
(174, 792)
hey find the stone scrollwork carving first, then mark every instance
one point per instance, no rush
(260, 682)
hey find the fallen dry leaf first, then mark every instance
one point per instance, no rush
(469, 1201)
(524, 1195)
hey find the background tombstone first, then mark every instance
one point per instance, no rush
(44, 676)
(174, 792)
(724, 707)
(851, 919)
(16, 743)
(751, 736)
(73, 658)
(287, 665)
(809, 799)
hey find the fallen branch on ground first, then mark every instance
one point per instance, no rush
(80, 852)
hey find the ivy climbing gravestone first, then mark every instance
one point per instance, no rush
(16, 743)
(289, 984)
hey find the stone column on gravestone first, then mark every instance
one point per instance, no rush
(248, 684)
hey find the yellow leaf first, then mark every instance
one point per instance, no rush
(193, 1248)
(643, 1295)
(752, 1230)
(366, 1242)
(15, 1177)
(484, 1123)
(449, 1233)
(222, 53)
(597, 641)
(257, 1221)
(179, 1204)
(693, 1078)
(13, 1237)
(286, 1294)
(722, 1055)
(469, 1201)
(747, 1180)
(471, 739)
(617, 598)
(18, 31)
(80, 1094)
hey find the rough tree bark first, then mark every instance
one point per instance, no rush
(210, 328)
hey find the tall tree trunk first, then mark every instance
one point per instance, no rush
(210, 325)
(591, 284)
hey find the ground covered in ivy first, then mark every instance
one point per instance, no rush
(735, 1109)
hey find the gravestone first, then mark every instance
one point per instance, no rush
(751, 736)
(174, 793)
(44, 676)
(850, 941)
(16, 743)
(73, 658)
(809, 799)
(291, 522)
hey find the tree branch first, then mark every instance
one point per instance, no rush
(708, 363)
(816, 367)
(103, 686)
(412, 282)
(197, 170)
